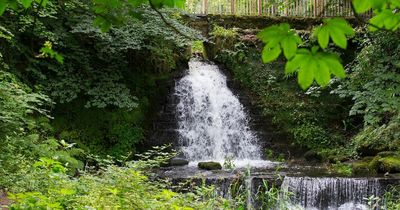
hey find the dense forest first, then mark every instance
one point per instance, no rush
(82, 81)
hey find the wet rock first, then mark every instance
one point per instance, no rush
(209, 165)
(178, 162)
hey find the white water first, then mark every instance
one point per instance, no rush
(330, 193)
(212, 122)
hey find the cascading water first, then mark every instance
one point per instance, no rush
(212, 122)
(330, 193)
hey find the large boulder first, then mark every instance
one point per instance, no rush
(209, 165)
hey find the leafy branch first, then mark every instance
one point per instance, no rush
(316, 65)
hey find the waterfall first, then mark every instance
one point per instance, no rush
(212, 123)
(330, 193)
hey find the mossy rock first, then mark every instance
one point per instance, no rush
(388, 153)
(209, 165)
(386, 162)
(389, 164)
(178, 162)
(363, 167)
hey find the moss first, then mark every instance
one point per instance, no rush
(388, 153)
(386, 162)
(363, 167)
(209, 165)
(341, 169)
(389, 164)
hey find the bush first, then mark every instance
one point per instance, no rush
(311, 136)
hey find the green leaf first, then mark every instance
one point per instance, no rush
(323, 38)
(289, 47)
(26, 3)
(337, 29)
(362, 6)
(314, 65)
(269, 54)
(306, 73)
(277, 38)
(3, 6)
(338, 37)
(292, 65)
(335, 66)
(343, 25)
(322, 74)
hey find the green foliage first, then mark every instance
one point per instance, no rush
(113, 187)
(47, 51)
(341, 169)
(391, 198)
(270, 155)
(106, 87)
(26, 133)
(17, 103)
(374, 80)
(386, 17)
(311, 136)
(385, 14)
(337, 29)
(100, 131)
(384, 137)
(279, 37)
(310, 64)
(219, 31)
(198, 47)
(271, 197)
(314, 65)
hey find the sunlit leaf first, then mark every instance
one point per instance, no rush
(362, 6)
(269, 54)
(338, 37)
(26, 3)
(279, 37)
(306, 73)
(289, 47)
(322, 73)
(336, 28)
(3, 6)
(294, 64)
(323, 37)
